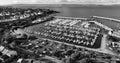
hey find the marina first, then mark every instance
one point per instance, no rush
(97, 44)
(59, 34)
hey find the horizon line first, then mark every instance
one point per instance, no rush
(66, 3)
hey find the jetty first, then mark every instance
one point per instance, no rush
(71, 17)
(112, 19)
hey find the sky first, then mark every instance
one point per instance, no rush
(7, 2)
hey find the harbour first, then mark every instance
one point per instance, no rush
(62, 34)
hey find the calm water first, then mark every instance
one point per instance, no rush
(89, 11)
